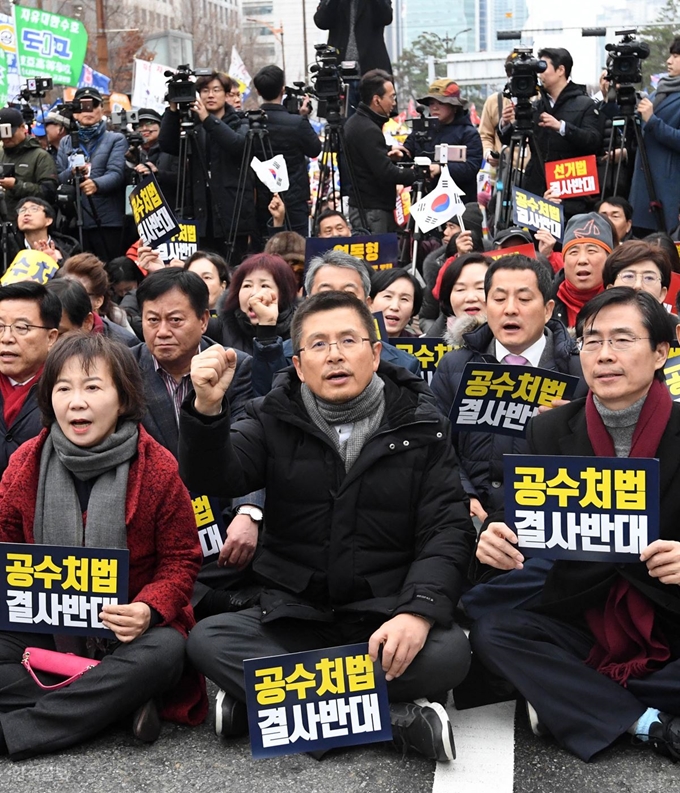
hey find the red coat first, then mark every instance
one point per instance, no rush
(165, 555)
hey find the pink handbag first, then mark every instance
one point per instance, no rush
(67, 664)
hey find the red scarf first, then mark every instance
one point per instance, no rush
(98, 326)
(14, 396)
(574, 299)
(440, 277)
(626, 641)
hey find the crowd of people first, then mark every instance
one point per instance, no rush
(353, 511)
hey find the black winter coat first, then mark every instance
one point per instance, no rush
(220, 143)
(376, 175)
(372, 17)
(481, 453)
(26, 425)
(583, 135)
(391, 536)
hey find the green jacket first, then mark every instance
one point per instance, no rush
(35, 174)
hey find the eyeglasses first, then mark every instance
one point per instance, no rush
(20, 328)
(29, 210)
(215, 90)
(620, 344)
(629, 277)
(348, 344)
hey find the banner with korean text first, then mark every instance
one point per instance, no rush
(210, 526)
(315, 700)
(153, 217)
(380, 251)
(429, 351)
(573, 177)
(599, 509)
(60, 589)
(49, 45)
(182, 245)
(502, 397)
(533, 212)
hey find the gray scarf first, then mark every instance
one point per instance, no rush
(666, 86)
(58, 517)
(364, 411)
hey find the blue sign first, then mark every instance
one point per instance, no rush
(60, 589)
(502, 398)
(428, 350)
(533, 212)
(211, 530)
(380, 251)
(319, 699)
(596, 509)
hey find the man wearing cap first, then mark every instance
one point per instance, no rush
(152, 160)
(375, 175)
(56, 128)
(101, 181)
(451, 125)
(34, 170)
(588, 240)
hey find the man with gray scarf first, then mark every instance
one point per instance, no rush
(368, 535)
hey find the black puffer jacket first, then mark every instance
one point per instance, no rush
(391, 536)
(583, 135)
(376, 175)
(26, 425)
(481, 453)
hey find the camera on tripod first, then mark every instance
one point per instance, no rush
(181, 88)
(328, 80)
(624, 64)
(524, 73)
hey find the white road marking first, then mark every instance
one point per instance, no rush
(485, 749)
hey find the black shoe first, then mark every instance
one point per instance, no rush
(425, 727)
(664, 735)
(231, 716)
(146, 723)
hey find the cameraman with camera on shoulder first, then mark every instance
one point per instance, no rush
(148, 157)
(566, 123)
(27, 169)
(94, 159)
(217, 136)
(291, 135)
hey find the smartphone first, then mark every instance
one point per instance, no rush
(445, 152)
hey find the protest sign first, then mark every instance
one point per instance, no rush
(533, 212)
(671, 373)
(8, 45)
(600, 509)
(60, 589)
(272, 173)
(573, 177)
(380, 251)
(211, 530)
(672, 294)
(502, 398)
(380, 327)
(49, 45)
(524, 250)
(429, 351)
(149, 84)
(320, 699)
(29, 265)
(182, 245)
(153, 217)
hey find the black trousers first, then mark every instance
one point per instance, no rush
(35, 721)
(544, 657)
(218, 645)
(106, 243)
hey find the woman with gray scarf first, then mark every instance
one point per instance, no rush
(661, 127)
(94, 478)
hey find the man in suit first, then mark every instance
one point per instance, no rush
(561, 654)
(174, 306)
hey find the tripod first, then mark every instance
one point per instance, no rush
(334, 147)
(626, 99)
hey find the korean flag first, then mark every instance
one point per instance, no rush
(440, 205)
(272, 173)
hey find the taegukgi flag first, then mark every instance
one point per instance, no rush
(440, 205)
(272, 173)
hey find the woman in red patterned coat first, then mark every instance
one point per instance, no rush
(95, 478)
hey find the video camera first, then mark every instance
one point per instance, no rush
(328, 80)
(36, 88)
(624, 64)
(421, 126)
(294, 98)
(523, 85)
(181, 88)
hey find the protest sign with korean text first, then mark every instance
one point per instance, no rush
(380, 251)
(523, 250)
(672, 294)
(429, 351)
(573, 177)
(502, 398)
(60, 589)
(29, 265)
(210, 525)
(153, 217)
(49, 45)
(182, 245)
(319, 699)
(599, 509)
(671, 373)
(533, 212)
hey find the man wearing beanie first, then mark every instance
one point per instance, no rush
(588, 240)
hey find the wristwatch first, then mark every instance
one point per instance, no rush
(254, 513)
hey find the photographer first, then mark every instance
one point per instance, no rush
(292, 136)
(376, 176)
(101, 180)
(33, 172)
(148, 158)
(217, 143)
(56, 128)
(34, 231)
(565, 124)
(451, 125)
